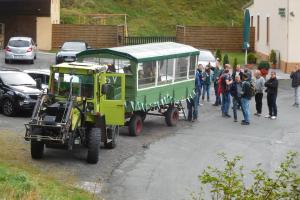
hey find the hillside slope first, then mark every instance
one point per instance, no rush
(159, 17)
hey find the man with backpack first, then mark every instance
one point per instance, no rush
(295, 76)
(225, 82)
(247, 93)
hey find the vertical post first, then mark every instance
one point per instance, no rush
(156, 73)
(246, 55)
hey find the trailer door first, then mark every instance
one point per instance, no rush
(112, 102)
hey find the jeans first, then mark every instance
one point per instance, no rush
(271, 99)
(297, 95)
(225, 103)
(246, 109)
(192, 107)
(258, 102)
(236, 102)
(206, 89)
(218, 98)
(198, 94)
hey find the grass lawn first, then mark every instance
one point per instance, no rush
(20, 179)
(240, 56)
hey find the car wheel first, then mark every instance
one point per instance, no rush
(8, 108)
(7, 61)
(35, 57)
(31, 61)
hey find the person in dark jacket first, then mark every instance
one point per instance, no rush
(272, 90)
(236, 93)
(206, 77)
(237, 71)
(198, 83)
(245, 100)
(295, 76)
(216, 75)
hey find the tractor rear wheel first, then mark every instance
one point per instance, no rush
(112, 135)
(135, 125)
(172, 116)
(94, 139)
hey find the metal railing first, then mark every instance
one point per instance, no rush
(132, 40)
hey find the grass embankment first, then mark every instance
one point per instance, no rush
(152, 17)
(19, 179)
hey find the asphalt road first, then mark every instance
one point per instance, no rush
(164, 162)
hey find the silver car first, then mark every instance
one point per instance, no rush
(20, 48)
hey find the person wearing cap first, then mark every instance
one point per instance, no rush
(245, 100)
(272, 90)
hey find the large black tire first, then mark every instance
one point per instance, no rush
(9, 108)
(7, 61)
(135, 125)
(37, 147)
(112, 134)
(37, 150)
(172, 116)
(93, 145)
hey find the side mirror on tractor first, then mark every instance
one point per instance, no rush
(104, 88)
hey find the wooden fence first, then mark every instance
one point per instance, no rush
(96, 36)
(223, 38)
(144, 40)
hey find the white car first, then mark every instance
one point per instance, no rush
(42, 74)
(20, 48)
(206, 57)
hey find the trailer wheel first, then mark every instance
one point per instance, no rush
(172, 116)
(135, 125)
(112, 134)
(93, 145)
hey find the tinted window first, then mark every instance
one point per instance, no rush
(181, 68)
(147, 73)
(70, 46)
(165, 71)
(206, 56)
(17, 78)
(19, 43)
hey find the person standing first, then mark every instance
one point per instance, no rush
(216, 75)
(206, 77)
(245, 100)
(225, 82)
(272, 90)
(295, 76)
(236, 93)
(237, 71)
(198, 83)
(259, 89)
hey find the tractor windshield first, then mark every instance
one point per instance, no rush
(82, 85)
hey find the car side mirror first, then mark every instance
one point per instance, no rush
(38, 83)
(104, 88)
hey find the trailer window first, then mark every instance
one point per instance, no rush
(146, 74)
(181, 68)
(192, 67)
(165, 71)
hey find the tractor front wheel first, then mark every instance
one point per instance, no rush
(94, 139)
(172, 116)
(135, 125)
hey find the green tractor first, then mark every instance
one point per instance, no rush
(84, 105)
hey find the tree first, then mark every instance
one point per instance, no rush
(225, 59)
(219, 54)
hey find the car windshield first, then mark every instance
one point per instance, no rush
(73, 46)
(19, 43)
(82, 85)
(17, 78)
(206, 56)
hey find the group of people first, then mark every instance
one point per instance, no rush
(239, 88)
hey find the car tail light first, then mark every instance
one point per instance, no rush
(7, 49)
(29, 50)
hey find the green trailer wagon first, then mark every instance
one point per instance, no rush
(158, 76)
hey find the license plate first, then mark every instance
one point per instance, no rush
(18, 57)
(69, 59)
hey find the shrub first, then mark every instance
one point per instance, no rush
(228, 183)
(251, 58)
(263, 65)
(218, 54)
(225, 59)
(234, 64)
(272, 57)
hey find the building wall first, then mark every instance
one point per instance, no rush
(282, 30)
(55, 11)
(44, 33)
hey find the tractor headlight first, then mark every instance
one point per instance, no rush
(90, 106)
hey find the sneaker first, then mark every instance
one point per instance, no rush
(227, 116)
(200, 104)
(245, 123)
(273, 117)
(268, 116)
(257, 114)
